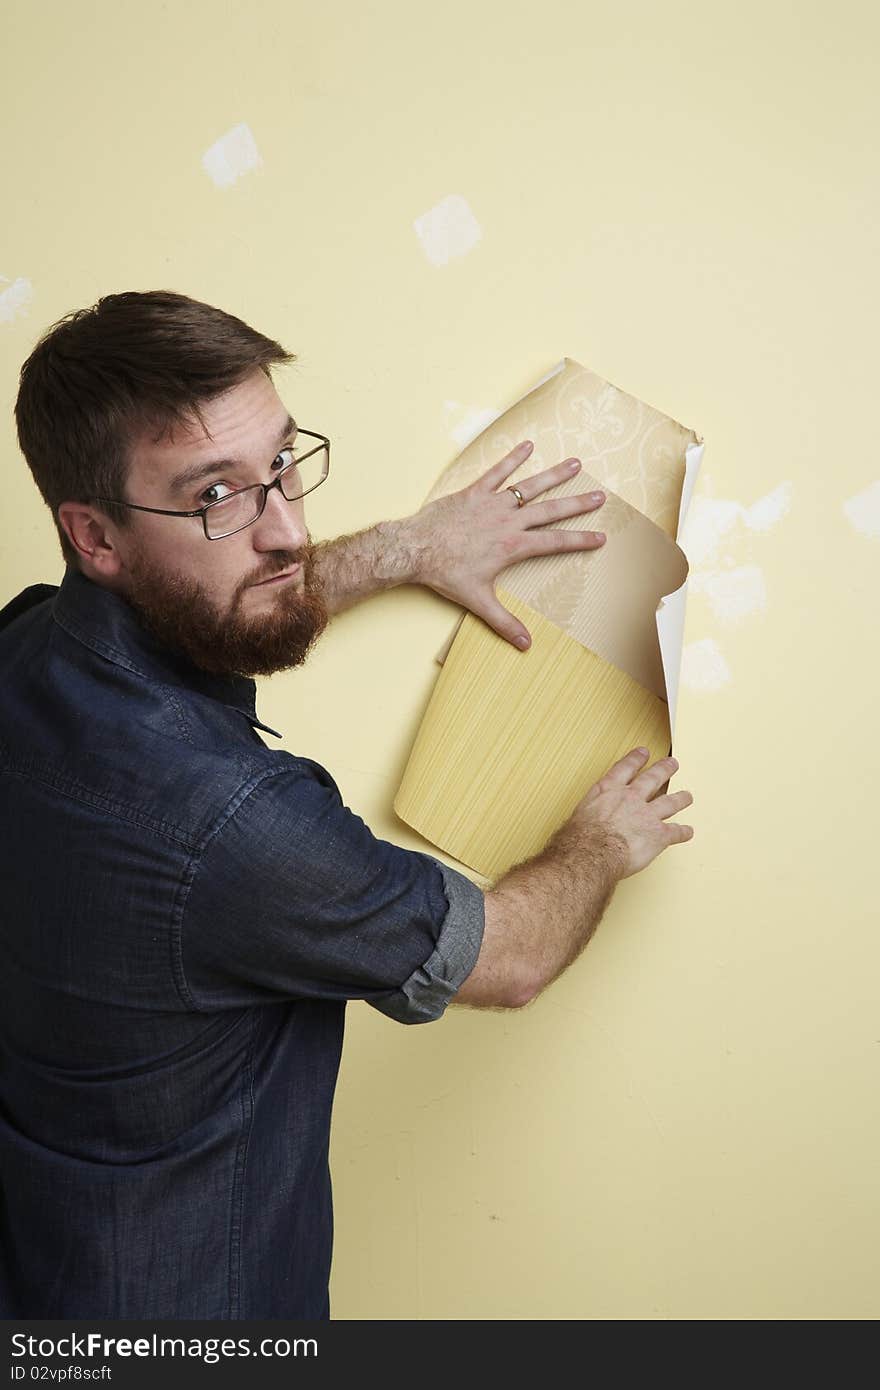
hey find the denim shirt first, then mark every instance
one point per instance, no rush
(186, 913)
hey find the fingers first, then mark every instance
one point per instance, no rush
(503, 469)
(648, 782)
(501, 621)
(538, 482)
(556, 542)
(648, 779)
(668, 805)
(559, 508)
(625, 769)
(679, 833)
(551, 477)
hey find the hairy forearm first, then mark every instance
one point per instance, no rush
(551, 905)
(351, 568)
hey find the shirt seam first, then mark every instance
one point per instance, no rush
(118, 658)
(77, 791)
(238, 1185)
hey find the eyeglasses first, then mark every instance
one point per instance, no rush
(307, 470)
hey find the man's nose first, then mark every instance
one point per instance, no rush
(282, 525)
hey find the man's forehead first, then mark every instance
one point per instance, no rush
(232, 421)
(235, 434)
(177, 437)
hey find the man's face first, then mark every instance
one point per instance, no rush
(208, 598)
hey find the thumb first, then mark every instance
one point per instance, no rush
(502, 621)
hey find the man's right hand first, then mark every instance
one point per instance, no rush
(620, 804)
(542, 912)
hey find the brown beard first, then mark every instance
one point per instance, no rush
(179, 614)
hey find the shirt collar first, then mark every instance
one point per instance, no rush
(106, 622)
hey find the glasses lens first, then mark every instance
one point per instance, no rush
(311, 463)
(234, 512)
(304, 474)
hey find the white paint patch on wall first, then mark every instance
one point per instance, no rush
(14, 301)
(471, 424)
(734, 593)
(234, 154)
(447, 230)
(764, 513)
(713, 530)
(703, 667)
(712, 520)
(863, 511)
(708, 521)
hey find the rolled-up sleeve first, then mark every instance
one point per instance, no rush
(430, 987)
(291, 896)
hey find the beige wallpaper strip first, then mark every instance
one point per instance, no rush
(512, 740)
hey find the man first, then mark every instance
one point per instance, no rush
(188, 910)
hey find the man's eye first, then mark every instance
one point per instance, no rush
(207, 496)
(211, 495)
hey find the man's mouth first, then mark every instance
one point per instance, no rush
(280, 578)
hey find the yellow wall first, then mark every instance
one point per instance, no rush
(682, 197)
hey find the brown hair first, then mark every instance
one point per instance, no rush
(100, 377)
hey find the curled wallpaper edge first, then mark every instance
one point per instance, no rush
(670, 616)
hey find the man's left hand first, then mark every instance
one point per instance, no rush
(465, 539)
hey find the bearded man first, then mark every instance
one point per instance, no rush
(188, 910)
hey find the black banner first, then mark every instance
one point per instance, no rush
(127, 1355)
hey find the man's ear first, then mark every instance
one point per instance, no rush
(91, 538)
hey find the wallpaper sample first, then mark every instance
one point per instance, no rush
(511, 740)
